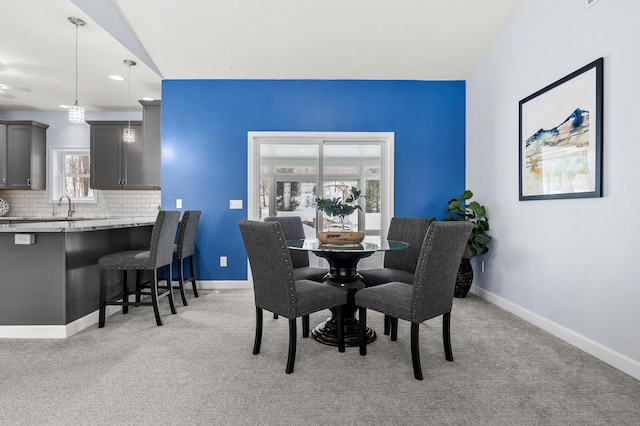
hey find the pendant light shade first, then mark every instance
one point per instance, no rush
(129, 134)
(76, 112)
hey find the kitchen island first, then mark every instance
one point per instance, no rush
(49, 275)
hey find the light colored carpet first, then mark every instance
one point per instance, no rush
(198, 369)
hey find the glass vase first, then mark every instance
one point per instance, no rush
(340, 224)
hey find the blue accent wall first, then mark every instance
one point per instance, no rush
(204, 145)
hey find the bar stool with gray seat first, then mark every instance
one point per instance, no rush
(185, 249)
(399, 265)
(159, 256)
(275, 288)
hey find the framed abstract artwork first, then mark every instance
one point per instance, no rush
(561, 137)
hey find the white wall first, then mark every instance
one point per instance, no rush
(569, 266)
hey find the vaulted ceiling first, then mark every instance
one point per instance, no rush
(231, 39)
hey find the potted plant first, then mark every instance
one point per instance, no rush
(462, 209)
(339, 230)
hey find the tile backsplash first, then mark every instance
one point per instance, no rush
(125, 203)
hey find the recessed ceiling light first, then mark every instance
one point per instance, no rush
(64, 106)
(116, 77)
(147, 99)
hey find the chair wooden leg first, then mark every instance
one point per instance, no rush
(446, 336)
(125, 291)
(394, 328)
(305, 326)
(291, 359)
(362, 330)
(340, 325)
(172, 303)
(415, 351)
(193, 277)
(138, 286)
(387, 324)
(154, 296)
(258, 339)
(103, 297)
(181, 281)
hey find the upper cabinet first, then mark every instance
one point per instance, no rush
(116, 164)
(3, 156)
(23, 155)
(151, 125)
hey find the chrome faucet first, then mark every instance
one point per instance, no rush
(71, 210)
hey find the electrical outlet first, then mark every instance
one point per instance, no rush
(178, 203)
(235, 204)
(25, 239)
(223, 261)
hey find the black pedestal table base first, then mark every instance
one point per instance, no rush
(343, 273)
(326, 332)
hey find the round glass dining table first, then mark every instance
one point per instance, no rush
(343, 272)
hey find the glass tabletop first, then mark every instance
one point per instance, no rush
(369, 244)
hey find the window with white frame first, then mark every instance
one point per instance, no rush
(70, 175)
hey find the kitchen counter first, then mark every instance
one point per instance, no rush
(50, 279)
(31, 225)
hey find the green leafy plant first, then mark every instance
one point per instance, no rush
(462, 209)
(335, 207)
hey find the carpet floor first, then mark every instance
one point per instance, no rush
(198, 369)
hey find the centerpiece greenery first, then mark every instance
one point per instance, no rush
(337, 208)
(462, 209)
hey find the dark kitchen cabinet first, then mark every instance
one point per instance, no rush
(151, 125)
(23, 155)
(116, 164)
(3, 156)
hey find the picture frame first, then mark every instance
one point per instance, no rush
(560, 137)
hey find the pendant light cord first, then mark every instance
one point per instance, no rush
(77, 26)
(129, 94)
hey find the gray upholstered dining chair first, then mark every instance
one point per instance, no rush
(294, 230)
(275, 288)
(159, 256)
(185, 249)
(399, 265)
(431, 294)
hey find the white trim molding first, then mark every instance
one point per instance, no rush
(613, 358)
(53, 331)
(387, 139)
(89, 320)
(224, 285)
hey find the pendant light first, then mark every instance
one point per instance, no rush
(129, 134)
(76, 112)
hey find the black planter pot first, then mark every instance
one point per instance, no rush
(464, 280)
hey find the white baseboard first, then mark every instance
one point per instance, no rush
(33, 331)
(223, 285)
(603, 353)
(64, 331)
(53, 331)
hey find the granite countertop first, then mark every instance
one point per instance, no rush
(59, 224)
